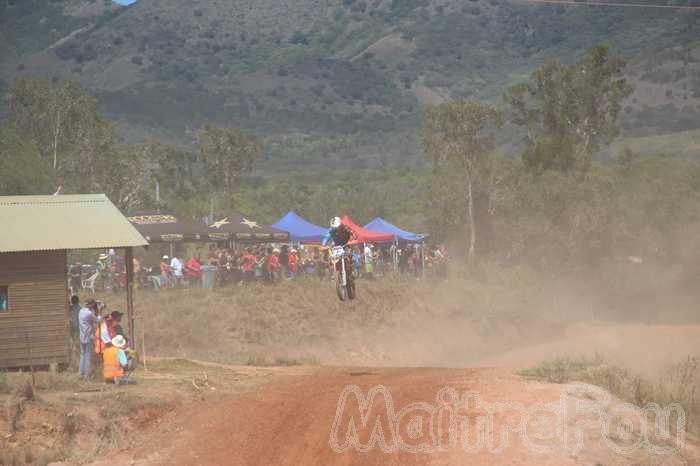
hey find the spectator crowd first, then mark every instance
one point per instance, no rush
(221, 266)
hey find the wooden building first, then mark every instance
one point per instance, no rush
(35, 234)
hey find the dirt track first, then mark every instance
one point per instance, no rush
(290, 422)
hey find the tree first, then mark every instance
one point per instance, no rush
(569, 110)
(457, 134)
(227, 154)
(123, 175)
(22, 168)
(53, 115)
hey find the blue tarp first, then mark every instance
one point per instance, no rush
(382, 226)
(299, 229)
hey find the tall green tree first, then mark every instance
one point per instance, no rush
(22, 170)
(459, 134)
(57, 116)
(569, 110)
(227, 154)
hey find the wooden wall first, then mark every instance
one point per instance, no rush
(38, 309)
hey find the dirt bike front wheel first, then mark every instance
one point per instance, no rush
(342, 291)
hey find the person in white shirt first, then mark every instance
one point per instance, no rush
(369, 261)
(176, 267)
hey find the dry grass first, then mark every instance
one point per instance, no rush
(474, 314)
(11, 382)
(680, 383)
(303, 322)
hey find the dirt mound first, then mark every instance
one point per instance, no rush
(300, 421)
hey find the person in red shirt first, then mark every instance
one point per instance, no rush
(248, 262)
(193, 270)
(293, 261)
(273, 265)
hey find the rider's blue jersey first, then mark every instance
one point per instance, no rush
(338, 236)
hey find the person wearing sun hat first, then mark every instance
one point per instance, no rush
(293, 261)
(116, 362)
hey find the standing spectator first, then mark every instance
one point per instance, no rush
(176, 268)
(273, 265)
(284, 261)
(394, 258)
(193, 270)
(232, 269)
(260, 263)
(356, 261)
(164, 272)
(369, 261)
(86, 324)
(248, 262)
(293, 263)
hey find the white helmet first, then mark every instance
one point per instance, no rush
(335, 222)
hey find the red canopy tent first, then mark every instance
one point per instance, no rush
(366, 236)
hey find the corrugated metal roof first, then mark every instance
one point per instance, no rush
(72, 221)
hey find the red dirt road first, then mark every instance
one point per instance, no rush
(290, 422)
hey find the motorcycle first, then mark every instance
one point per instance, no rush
(344, 283)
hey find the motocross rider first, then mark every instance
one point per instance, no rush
(340, 235)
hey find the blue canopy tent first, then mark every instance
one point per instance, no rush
(382, 226)
(299, 229)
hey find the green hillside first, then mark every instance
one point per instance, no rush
(336, 81)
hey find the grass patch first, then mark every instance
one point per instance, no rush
(11, 382)
(5, 386)
(562, 370)
(282, 361)
(679, 384)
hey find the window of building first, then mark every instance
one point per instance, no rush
(4, 299)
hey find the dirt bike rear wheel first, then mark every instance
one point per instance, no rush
(351, 290)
